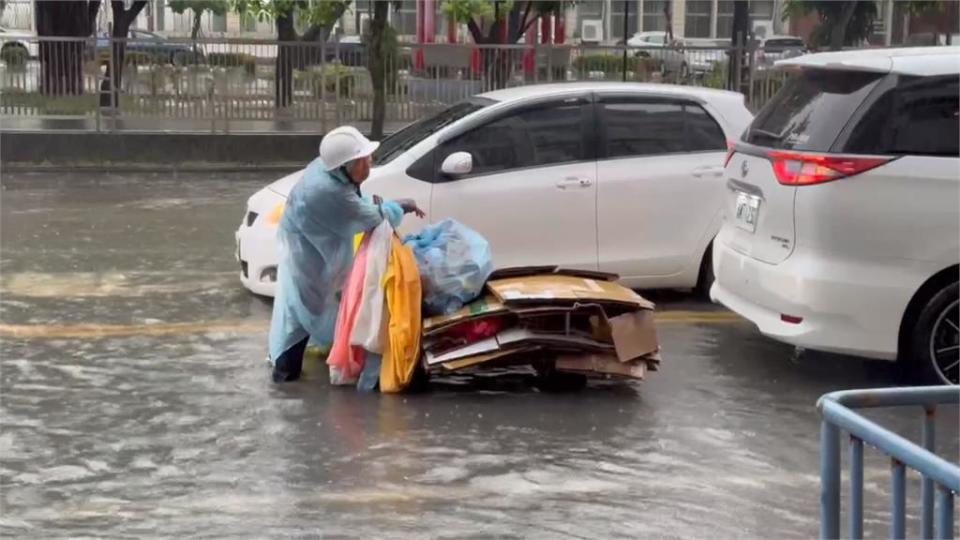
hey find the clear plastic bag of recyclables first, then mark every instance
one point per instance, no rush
(454, 262)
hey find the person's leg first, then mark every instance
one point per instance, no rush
(289, 364)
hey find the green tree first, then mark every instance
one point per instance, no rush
(123, 18)
(842, 22)
(382, 57)
(61, 63)
(498, 22)
(198, 7)
(318, 16)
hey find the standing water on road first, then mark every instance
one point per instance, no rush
(136, 401)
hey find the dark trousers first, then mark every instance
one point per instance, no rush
(287, 366)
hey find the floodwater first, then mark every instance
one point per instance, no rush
(136, 402)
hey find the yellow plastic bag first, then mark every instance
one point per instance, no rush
(401, 351)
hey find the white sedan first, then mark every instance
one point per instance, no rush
(623, 178)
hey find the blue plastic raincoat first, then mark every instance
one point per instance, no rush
(324, 213)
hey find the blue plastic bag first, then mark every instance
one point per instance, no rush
(454, 262)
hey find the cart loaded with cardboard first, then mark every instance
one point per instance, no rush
(461, 316)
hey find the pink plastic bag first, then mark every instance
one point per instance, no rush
(344, 359)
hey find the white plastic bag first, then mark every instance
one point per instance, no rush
(370, 326)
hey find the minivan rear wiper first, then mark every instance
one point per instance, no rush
(776, 137)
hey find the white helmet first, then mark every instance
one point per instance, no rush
(343, 145)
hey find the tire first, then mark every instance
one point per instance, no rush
(180, 59)
(706, 277)
(935, 340)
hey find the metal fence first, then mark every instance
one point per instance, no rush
(939, 476)
(256, 85)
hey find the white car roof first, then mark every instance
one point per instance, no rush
(560, 89)
(906, 61)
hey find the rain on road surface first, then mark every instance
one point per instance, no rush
(136, 402)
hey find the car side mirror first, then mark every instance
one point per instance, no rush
(457, 164)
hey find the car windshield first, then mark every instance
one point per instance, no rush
(406, 138)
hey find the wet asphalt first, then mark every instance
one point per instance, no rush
(135, 402)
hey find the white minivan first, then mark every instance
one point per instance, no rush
(842, 218)
(617, 177)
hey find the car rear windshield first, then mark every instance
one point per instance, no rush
(406, 138)
(811, 109)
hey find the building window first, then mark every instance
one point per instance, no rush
(405, 18)
(361, 10)
(653, 18)
(618, 8)
(761, 9)
(725, 19)
(697, 20)
(160, 16)
(218, 23)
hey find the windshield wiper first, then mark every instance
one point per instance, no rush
(768, 134)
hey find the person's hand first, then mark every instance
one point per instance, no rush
(410, 207)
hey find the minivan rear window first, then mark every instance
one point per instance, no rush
(811, 109)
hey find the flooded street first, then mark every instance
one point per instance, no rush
(136, 402)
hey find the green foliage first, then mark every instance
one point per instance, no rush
(464, 11)
(217, 7)
(328, 78)
(830, 13)
(229, 60)
(312, 13)
(15, 56)
(717, 78)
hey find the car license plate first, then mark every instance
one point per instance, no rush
(236, 238)
(748, 211)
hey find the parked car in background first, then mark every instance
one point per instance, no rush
(774, 48)
(703, 55)
(842, 223)
(159, 48)
(656, 45)
(617, 177)
(17, 44)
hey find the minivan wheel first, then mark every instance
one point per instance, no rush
(935, 341)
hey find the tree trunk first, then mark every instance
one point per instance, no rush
(378, 68)
(739, 42)
(838, 33)
(122, 19)
(195, 33)
(61, 62)
(283, 86)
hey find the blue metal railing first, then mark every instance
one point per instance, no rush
(939, 475)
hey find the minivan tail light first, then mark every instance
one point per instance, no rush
(801, 169)
(731, 150)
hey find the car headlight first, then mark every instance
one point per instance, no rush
(273, 218)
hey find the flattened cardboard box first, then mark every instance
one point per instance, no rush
(634, 335)
(487, 306)
(561, 288)
(517, 338)
(601, 363)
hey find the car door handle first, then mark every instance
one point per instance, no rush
(710, 171)
(571, 182)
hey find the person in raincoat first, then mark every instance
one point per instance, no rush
(323, 214)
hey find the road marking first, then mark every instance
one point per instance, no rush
(97, 331)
